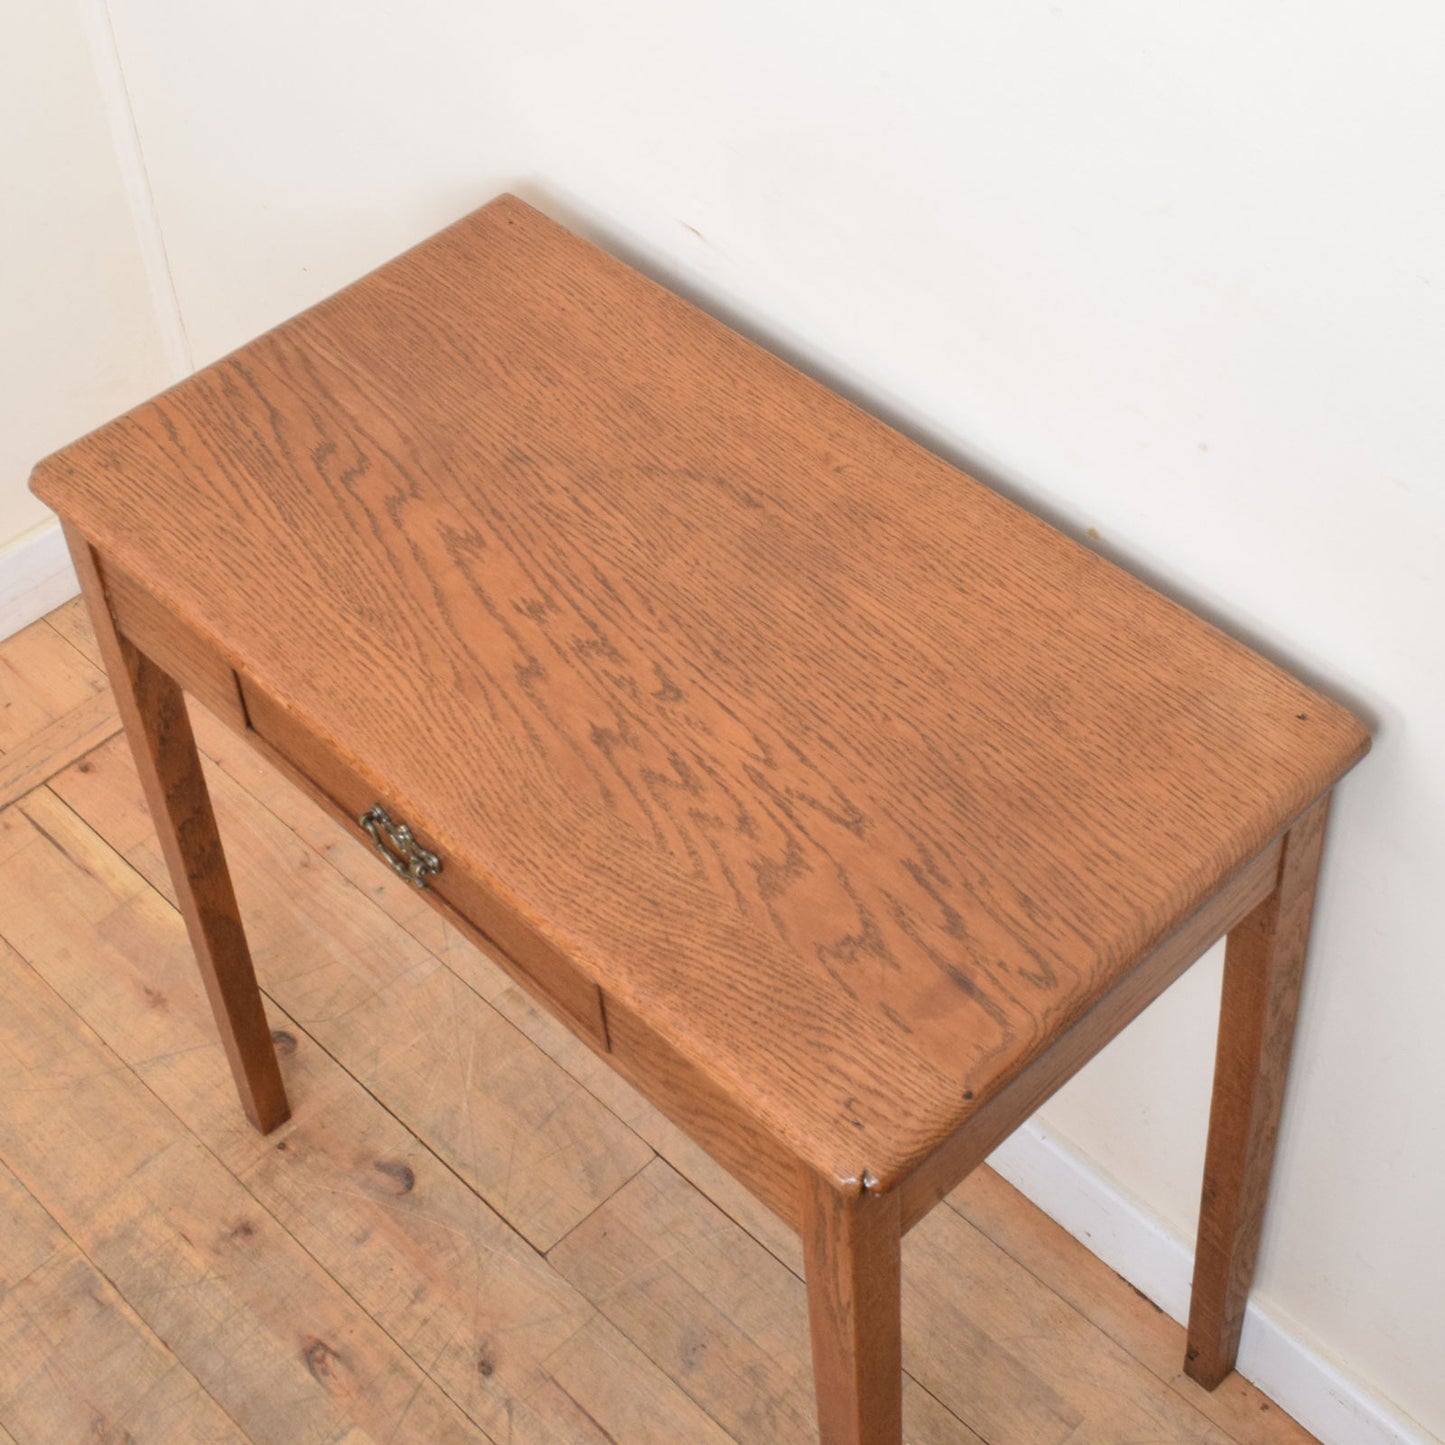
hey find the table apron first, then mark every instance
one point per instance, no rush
(964, 1150)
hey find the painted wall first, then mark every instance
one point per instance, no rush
(78, 334)
(1172, 273)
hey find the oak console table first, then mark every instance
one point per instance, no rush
(841, 805)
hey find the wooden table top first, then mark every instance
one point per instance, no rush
(857, 782)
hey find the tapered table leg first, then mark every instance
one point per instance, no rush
(1263, 970)
(154, 713)
(851, 1248)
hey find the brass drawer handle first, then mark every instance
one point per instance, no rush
(395, 843)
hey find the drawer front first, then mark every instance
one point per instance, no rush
(156, 631)
(463, 900)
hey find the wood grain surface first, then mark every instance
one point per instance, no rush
(245, 1309)
(158, 728)
(852, 1247)
(1264, 964)
(156, 631)
(987, 1127)
(67, 738)
(853, 781)
(452, 1070)
(414, 1247)
(76, 1362)
(147, 1294)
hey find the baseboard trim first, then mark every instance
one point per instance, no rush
(1320, 1394)
(35, 577)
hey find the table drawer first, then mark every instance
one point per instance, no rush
(461, 898)
(197, 667)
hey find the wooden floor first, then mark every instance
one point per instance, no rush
(471, 1230)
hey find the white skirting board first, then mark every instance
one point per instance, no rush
(1322, 1396)
(35, 576)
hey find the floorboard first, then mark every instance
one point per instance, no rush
(76, 1362)
(263, 1329)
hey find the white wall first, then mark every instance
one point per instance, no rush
(79, 335)
(1171, 272)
